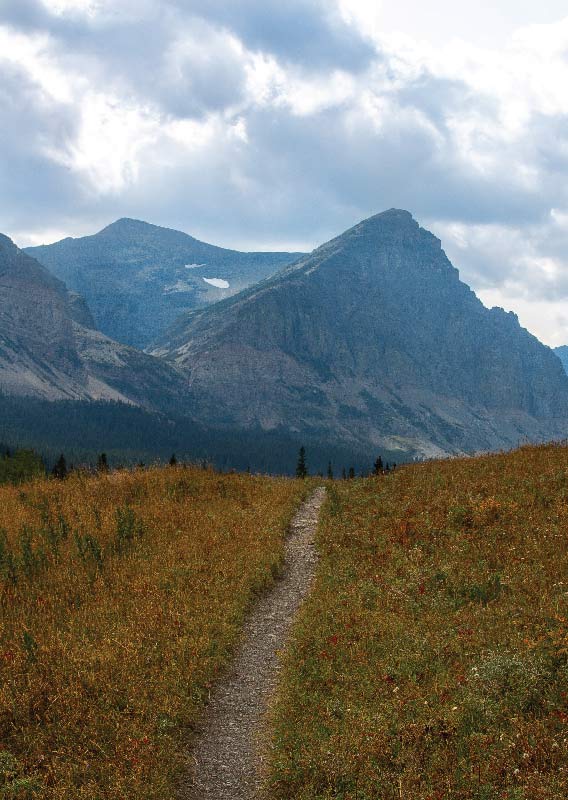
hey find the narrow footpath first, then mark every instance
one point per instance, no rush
(229, 753)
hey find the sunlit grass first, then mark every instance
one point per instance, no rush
(121, 597)
(431, 661)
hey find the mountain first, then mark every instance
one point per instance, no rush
(50, 349)
(38, 354)
(138, 278)
(371, 340)
(562, 353)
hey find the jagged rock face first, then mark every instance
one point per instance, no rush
(562, 353)
(38, 356)
(50, 349)
(138, 278)
(80, 311)
(372, 339)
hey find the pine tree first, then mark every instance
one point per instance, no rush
(301, 468)
(351, 473)
(173, 460)
(378, 466)
(102, 463)
(330, 471)
(59, 471)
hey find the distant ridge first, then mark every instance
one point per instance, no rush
(372, 339)
(138, 278)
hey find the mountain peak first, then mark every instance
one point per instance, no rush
(394, 217)
(372, 338)
(393, 220)
(126, 224)
(391, 231)
(393, 227)
(395, 214)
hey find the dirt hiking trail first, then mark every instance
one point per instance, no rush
(228, 762)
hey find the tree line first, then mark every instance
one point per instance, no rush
(379, 468)
(129, 435)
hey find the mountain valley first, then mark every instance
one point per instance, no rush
(370, 344)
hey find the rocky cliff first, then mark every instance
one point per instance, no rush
(50, 349)
(38, 354)
(562, 353)
(372, 340)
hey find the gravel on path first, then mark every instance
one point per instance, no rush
(228, 755)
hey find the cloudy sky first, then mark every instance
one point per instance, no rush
(262, 124)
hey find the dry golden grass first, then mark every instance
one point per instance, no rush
(121, 597)
(431, 662)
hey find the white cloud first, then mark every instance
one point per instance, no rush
(263, 124)
(485, 23)
(35, 56)
(39, 237)
(65, 6)
(111, 138)
(367, 15)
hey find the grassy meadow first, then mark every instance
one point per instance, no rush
(431, 661)
(121, 596)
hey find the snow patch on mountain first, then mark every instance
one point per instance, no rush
(218, 283)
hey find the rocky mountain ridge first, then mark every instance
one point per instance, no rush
(372, 339)
(51, 350)
(138, 278)
(370, 343)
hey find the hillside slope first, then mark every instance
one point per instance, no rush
(38, 353)
(433, 645)
(131, 590)
(49, 348)
(138, 278)
(372, 339)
